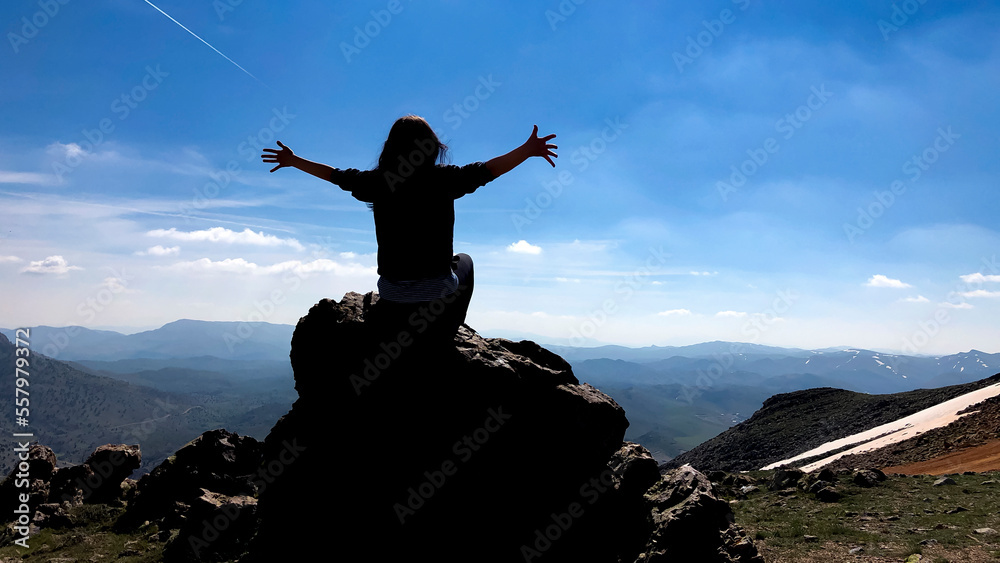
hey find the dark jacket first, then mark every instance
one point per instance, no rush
(414, 216)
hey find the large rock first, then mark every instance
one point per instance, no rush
(404, 445)
(202, 496)
(691, 524)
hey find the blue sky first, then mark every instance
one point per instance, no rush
(804, 174)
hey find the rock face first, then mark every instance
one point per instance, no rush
(463, 449)
(201, 498)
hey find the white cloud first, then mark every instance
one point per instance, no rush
(962, 305)
(51, 265)
(4, 259)
(704, 273)
(8, 177)
(979, 278)
(731, 314)
(569, 280)
(917, 299)
(878, 280)
(980, 293)
(675, 312)
(159, 250)
(223, 235)
(523, 247)
(242, 266)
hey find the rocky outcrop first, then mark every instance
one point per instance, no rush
(202, 498)
(461, 449)
(406, 445)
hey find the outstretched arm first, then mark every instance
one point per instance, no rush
(534, 146)
(285, 157)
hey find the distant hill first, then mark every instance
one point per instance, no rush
(179, 339)
(720, 364)
(73, 411)
(791, 423)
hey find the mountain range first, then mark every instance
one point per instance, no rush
(677, 397)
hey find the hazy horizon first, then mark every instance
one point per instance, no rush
(785, 173)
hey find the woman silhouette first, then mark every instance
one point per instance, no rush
(412, 197)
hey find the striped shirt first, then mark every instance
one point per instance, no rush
(417, 291)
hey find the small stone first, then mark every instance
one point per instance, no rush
(828, 494)
(856, 550)
(956, 510)
(985, 531)
(944, 481)
(810, 538)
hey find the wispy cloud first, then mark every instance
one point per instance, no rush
(980, 293)
(52, 265)
(878, 280)
(917, 299)
(298, 267)
(226, 236)
(980, 278)
(4, 259)
(159, 250)
(731, 314)
(34, 178)
(676, 313)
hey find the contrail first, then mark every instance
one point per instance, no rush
(203, 41)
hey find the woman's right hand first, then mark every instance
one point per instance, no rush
(284, 157)
(539, 146)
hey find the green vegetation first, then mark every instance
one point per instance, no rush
(91, 540)
(897, 518)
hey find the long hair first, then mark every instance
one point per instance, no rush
(412, 147)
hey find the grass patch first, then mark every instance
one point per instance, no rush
(897, 518)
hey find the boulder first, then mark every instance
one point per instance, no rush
(868, 477)
(785, 478)
(460, 448)
(216, 462)
(99, 479)
(691, 524)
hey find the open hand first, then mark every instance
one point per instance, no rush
(282, 157)
(539, 146)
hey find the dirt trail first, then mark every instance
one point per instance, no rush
(978, 459)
